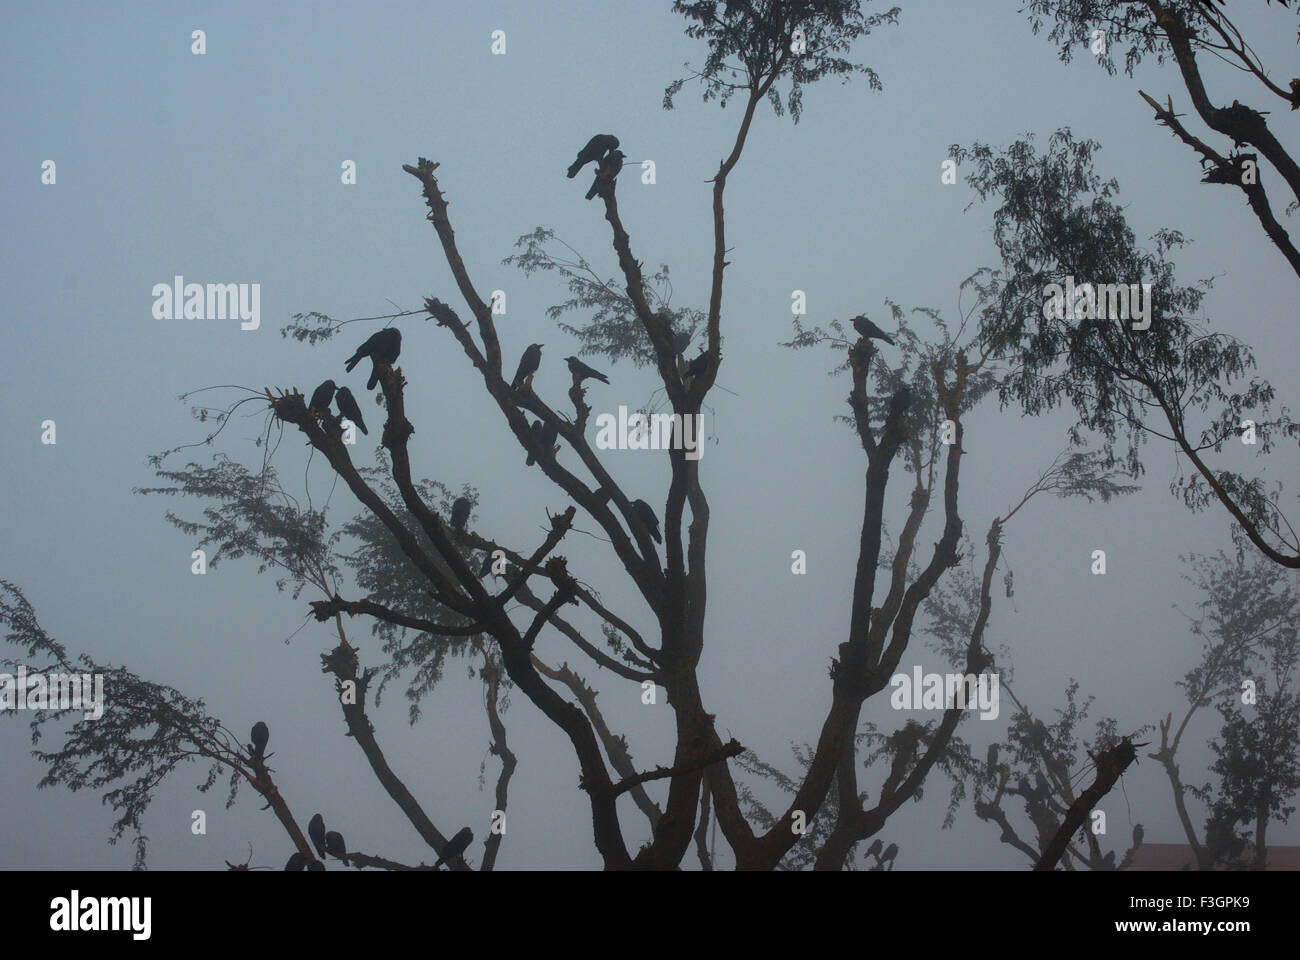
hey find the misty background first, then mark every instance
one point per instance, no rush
(225, 168)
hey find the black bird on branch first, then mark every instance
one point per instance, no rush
(261, 734)
(890, 854)
(528, 364)
(348, 407)
(335, 846)
(383, 346)
(583, 372)
(648, 517)
(595, 149)
(460, 513)
(456, 846)
(697, 366)
(546, 434)
(607, 171)
(316, 830)
(869, 330)
(296, 862)
(874, 849)
(321, 397)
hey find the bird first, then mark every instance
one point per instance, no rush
(261, 734)
(993, 757)
(582, 372)
(321, 396)
(697, 366)
(315, 865)
(460, 513)
(528, 364)
(348, 407)
(316, 830)
(648, 517)
(538, 428)
(382, 346)
(874, 849)
(296, 862)
(335, 846)
(1138, 833)
(595, 149)
(608, 170)
(890, 853)
(456, 846)
(870, 330)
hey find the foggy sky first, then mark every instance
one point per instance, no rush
(225, 168)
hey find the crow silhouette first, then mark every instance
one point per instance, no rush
(334, 845)
(348, 407)
(460, 513)
(316, 830)
(595, 149)
(321, 397)
(456, 846)
(528, 364)
(870, 330)
(383, 346)
(261, 734)
(648, 517)
(583, 372)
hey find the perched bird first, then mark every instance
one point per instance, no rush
(993, 757)
(583, 372)
(539, 431)
(595, 149)
(315, 865)
(321, 397)
(891, 852)
(296, 862)
(1138, 834)
(648, 517)
(261, 734)
(874, 849)
(334, 845)
(456, 846)
(316, 830)
(697, 366)
(460, 513)
(870, 330)
(608, 170)
(382, 347)
(528, 364)
(348, 407)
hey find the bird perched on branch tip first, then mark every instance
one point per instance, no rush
(869, 330)
(582, 372)
(595, 149)
(347, 405)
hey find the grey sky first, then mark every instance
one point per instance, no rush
(225, 168)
